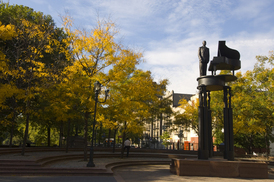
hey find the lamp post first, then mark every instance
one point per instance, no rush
(97, 88)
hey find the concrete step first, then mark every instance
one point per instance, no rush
(15, 160)
(52, 159)
(130, 163)
(35, 171)
(10, 163)
(38, 167)
(25, 170)
(3, 165)
(56, 172)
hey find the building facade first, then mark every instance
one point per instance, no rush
(164, 123)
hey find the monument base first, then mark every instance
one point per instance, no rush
(219, 168)
(203, 154)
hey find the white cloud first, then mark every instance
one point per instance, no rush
(197, 16)
(182, 78)
(170, 32)
(39, 2)
(250, 48)
(250, 10)
(178, 61)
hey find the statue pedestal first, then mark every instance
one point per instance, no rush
(219, 168)
(215, 82)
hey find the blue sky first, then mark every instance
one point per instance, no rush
(169, 32)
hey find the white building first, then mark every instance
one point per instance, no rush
(164, 123)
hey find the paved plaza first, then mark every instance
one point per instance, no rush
(134, 173)
(151, 173)
(161, 174)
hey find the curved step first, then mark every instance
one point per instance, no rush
(114, 165)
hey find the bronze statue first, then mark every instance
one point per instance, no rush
(203, 55)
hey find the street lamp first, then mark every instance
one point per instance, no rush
(97, 88)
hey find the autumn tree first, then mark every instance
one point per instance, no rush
(159, 108)
(51, 73)
(7, 32)
(188, 118)
(264, 81)
(98, 56)
(132, 96)
(27, 68)
(253, 103)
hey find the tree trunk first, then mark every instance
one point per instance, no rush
(100, 135)
(124, 137)
(95, 135)
(86, 137)
(250, 150)
(151, 132)
(13, 122)
(61, 135)
(48, 136)
(251, 144)
(123, 146)
(26, 135)
(266, 146)
(76, 130)
(161, 124)
(114, 141)
(11, 134)
(109, 132)
(68, 133)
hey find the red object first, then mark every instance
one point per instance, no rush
(186, 145)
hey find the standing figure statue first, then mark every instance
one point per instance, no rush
(203, 55)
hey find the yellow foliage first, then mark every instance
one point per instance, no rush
(253, 98)
(7, 32)
(9, 90)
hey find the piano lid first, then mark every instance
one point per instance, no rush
(224, 51)
(227, 59)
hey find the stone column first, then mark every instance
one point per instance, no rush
(228, 125)
(210, 142)
(230, 154)
(203, 124)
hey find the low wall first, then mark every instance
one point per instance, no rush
(219, 168)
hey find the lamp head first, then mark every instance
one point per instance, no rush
(106, 93)
(97, 86)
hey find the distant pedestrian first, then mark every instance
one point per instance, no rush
(127, 145)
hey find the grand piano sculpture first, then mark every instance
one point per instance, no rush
(227, 59)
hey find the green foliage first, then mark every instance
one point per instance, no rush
(253, 103)
(188, 118)
(166, 139)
